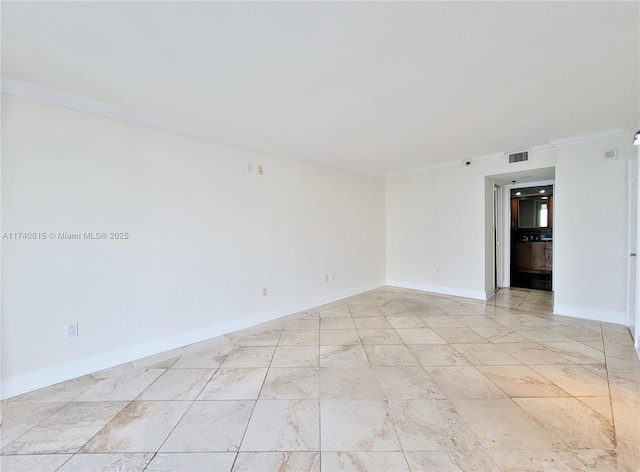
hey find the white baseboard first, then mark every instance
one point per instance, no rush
(457, 292)
(29, 381)
(586, 313)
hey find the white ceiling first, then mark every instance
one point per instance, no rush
(376, 87)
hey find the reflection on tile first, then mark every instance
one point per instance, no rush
(192, 462)
(33, 463)
(532, 353)
(379, 336)
(576, 352)
(203, 356)
(352, 383)
(472, 460)
(106, 462)
(177, 384)
(66, 430)
(140, 427)
(572, 423)
(234, 384)
(194, 432)
(430, 425)
(499, 334)
(291, 383)
(292, 426)
(406, 321)
(441, 321)
(390, 355)
(357, 425)
(421, 336)
(20, 417)
(406, 383)
(364, 461)
(343, 356)
(277, 462)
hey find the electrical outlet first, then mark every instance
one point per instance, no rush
(264, 292)
(250, 168)
(326, 277)
(260, 170)
(72, 330)
(333, 277)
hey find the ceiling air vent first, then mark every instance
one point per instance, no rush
(519, 157)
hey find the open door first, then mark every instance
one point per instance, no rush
(632, 297)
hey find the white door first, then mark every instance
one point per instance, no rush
(632, 297)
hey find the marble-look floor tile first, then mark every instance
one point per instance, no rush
(521, 381)
(409, 321)
(358, 311)
(210, 426)
(535, 460)
(476, 321)
(341, 311)
(386, 355)
(576, 352)
(177, 384)
(379, 336)
(600, 404)
(164, 360)
(628, 456)
(627, 422)
(625, 391)
(249, 356)
(406, 383)
(499, 423)
(339, 337)
(618, 337)
(107, 462)
(464, 382)
(20, 417)
(572, 423)
(441, 321)
(67, 430)
(532, 353)
(460, 336)
(301, 337)
(234, 384)
(62, 392)
(296, 356)
(343, 356)
(485, 354)
(291, 383)
(574, 379)
(140, 427)
(192, 462)
(578, 333)
(437, 355)
(348, 383)
(357, 425)
(374, 322)
(499, 334)
(364, 461)
(337, 323)
(293, 425)
(33, 463)
(476, 460)
(124, 385)
(430, 425)
(204, 356)
(289, 461)
(541, 334)
(302, 324)
(621, 351)
(420, 336)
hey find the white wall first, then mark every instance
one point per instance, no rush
(590, 234)
(204, 238)
(438, 220)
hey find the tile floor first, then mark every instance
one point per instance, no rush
(389, 380)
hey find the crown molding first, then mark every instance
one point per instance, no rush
(543, 148)
(75, 102)
(586, 138)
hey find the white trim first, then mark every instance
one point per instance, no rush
(587, 313)
(75, 102)
(543, 148)
(29, 381)
(457, 292)
(443, 165)
(585, 138)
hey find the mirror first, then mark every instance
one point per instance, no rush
(533, 212)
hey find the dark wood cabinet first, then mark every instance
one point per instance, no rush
(533, 256)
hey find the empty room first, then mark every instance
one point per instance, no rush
(320, 236)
